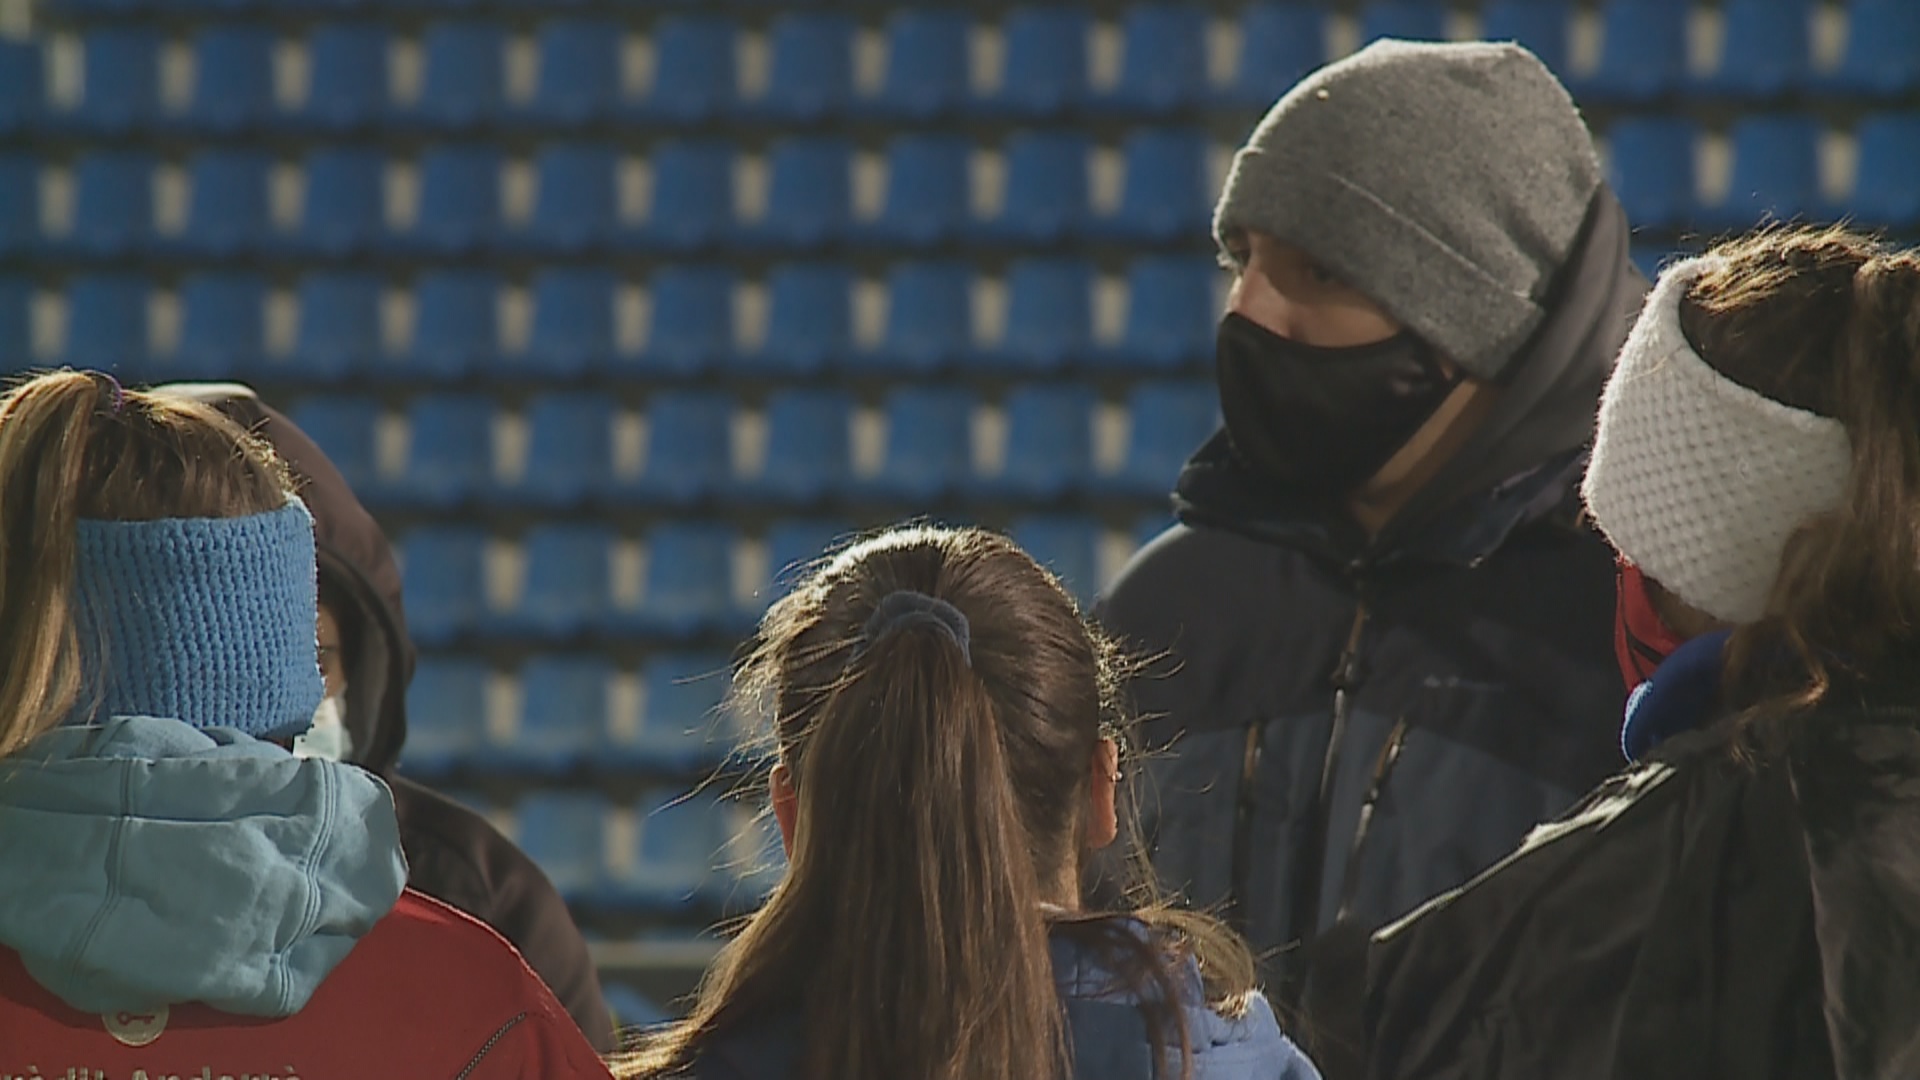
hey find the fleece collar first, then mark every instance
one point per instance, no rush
(169, 864)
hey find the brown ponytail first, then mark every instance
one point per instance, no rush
(76, 445)
(942, 805)
(1828, 321)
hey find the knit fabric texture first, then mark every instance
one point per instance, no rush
(1447, 182)
(210, 621)
(1697, 480)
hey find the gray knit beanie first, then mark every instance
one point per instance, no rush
(1447, 182)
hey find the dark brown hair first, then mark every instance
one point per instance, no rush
(942, 804)
(1826, 320)
(74, 446)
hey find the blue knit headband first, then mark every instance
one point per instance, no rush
(206, 620)
(906, 607)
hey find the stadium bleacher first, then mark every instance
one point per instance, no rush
(617, 313)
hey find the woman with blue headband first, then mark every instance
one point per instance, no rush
(180, 894)
(948, 751)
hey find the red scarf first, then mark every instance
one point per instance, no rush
(1641, 639)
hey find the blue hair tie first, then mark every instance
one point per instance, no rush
(906, 607)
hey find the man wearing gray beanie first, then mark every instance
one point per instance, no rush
(1388, 635)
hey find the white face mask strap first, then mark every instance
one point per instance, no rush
(328, 738)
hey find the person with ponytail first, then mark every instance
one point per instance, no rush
(1744, 900)
(180, 895)
(948, 750)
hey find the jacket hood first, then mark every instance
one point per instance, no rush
(168, 864)
(356, 562)
(1105, 1024)
(1521, 463)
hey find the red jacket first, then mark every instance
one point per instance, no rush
(429, 993)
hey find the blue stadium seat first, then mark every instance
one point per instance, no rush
(1047, 188)
(19, 202)
(16, 323)
(1776, 172)
(1172, 313)
(1168, 422)
(1650, 164)
(569, 449)
(233, 78)
(1884, 191)
(1049, 314)
(633, 1009)
(1279, 43)
(928, 68)
(573, 322)
(1767, 51)
(339, 325)
(695, 73)
(927, 199)
(1543, 26)
(809, 194)
(679, 729)
(1167, 194)
(809, 320)
(812, 66)
(1648, 257)
(1413, 20)
(794, 545)
(459, 199)
(689, 452)
(446, 714)
(579, 78)
(228, 209)
(569, 582)
(348, 88)
(120, 86)
(929, 321)
(107, 322)
(1643, 52)
(1068, 546)
(1049, 442)
(689, 580)
(755, 863)
(576, 206)
(1163, 65)
(464, 84)
(692, 319)
(346, 201)
(450, 450)
(23, 88)
(346, 429)
(680, 839)
(1882, 56)
(1046, 67)
(113, 202)
(563, 715)
(456, 325)
(929, 447)
(564, 833)
(692, 195)
(809, 446)
(222, 328)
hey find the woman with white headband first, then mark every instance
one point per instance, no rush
(1744, 900)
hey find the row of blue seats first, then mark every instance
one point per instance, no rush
(1644, 56)
(1166, 193)
(1169, 323)
(1775, 172)
(688, 588)
(566, 719)
(686, 451)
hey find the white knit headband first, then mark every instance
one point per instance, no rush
(1698, 480)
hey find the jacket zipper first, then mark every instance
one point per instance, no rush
(1242, 854)
(1382, 768)
(490, 1044)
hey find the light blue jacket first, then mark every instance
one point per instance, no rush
(145, 862)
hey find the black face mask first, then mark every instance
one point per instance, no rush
(1320, 419)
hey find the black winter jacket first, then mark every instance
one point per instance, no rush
(1712, 913)
(1343, 728)
(453, 854)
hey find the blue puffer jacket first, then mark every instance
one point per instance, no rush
(1108, 1030)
